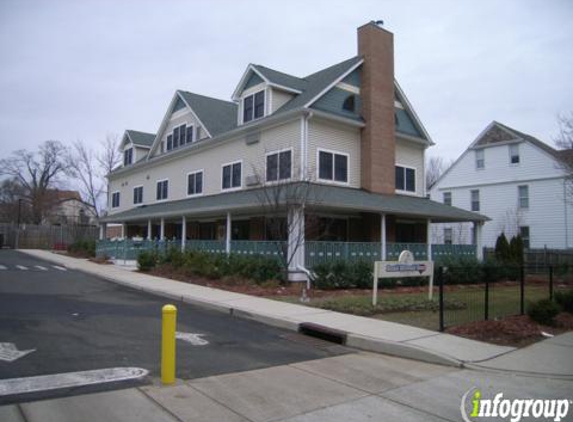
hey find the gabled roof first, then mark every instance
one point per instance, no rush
(218, 116)
(281, 78)
(141, 139)
(318, 82)
(498, 133)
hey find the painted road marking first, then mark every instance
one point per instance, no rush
(15, 386)
(57, 267)
(9, 352)
(3, 267)
(194, 339)
(21, 267)
(41, 268)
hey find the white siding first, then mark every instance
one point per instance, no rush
(279, 98)
(139, 153)
(410, 154)
(549, 217)
(210, 159)
(534, 163)
(334, 137)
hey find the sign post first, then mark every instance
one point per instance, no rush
(404, 267)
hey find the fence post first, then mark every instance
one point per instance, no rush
(522, 290)
(551, 282)
(486, 298)
(441, 300)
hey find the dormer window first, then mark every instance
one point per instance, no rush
(349, 104)
(180, 136)
(254, 106)
(128, 156)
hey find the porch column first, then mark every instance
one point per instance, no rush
(478, 240)
(296, 240)
(102, 231)
(383, 237)
(149, 230)
(162, 229)
(429, 238)
(123, 230)
(228, 234)
(183, 232)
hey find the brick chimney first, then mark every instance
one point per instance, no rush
(376, 46)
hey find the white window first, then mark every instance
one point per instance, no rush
(480, 159)
(332, 166)
(447, 198)
(514, 154)
(475, 200)
(128, 156)
(162, 192)
(138, 195)
(448, 236)
(169, 142)
(189, 135)
(232, 175)
(523, 196)
(195, 183)
(405, 179)
(115, 200)
(254, 106)
(279, 166)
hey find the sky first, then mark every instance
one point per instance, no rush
(81, 70)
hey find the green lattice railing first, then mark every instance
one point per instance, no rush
(315, 252)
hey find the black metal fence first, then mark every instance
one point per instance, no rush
(490, 293)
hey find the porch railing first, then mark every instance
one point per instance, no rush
(211, 246)
(315, 252)
(253, 247)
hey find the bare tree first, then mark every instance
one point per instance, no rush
(37, 172)
(83, 165)
(435, 167)
(283, 203)
(565, 141)
(108, 159)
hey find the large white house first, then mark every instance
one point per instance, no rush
(345, 139)
(516, 180)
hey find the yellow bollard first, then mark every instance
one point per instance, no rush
(169, 321)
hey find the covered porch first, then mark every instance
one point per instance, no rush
(326, 223)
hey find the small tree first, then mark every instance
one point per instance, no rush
(565, 141)
(502, 252)
(516, 249)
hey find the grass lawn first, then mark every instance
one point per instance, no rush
(462, 305)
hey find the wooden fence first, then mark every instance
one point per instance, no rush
(31, 236)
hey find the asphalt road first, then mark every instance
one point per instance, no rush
(80, 322)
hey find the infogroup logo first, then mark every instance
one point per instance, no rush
(512, 409)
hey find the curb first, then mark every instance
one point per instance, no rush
(369, 344)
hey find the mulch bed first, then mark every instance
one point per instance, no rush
(516, 331)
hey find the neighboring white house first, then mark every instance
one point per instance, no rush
(517, 181)
(348, 132)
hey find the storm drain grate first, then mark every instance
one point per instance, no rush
(323, 333)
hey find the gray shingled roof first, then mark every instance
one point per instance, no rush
(280, 78)
(141, 138)
(320, 196)
(218, 116)
(317, 82)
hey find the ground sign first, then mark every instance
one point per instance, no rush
(404, 267)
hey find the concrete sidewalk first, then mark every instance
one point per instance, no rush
(362, 333)
(355, 387)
